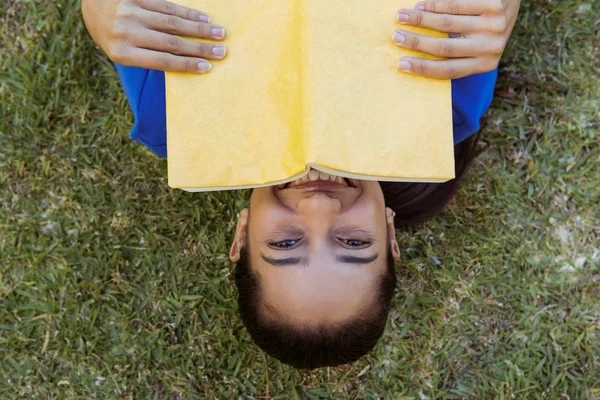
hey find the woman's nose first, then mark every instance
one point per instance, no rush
(319, 205)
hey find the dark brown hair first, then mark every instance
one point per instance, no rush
(313, 347)
(415, 203)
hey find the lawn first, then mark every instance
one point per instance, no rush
(113, 286)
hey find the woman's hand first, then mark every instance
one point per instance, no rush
(147, 34)
(479, 31)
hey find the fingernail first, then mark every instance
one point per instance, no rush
(420, 6)
(402, 17)
(219, 51)
(398, 38)
(204, 18)
(204, 66)
(218, 33)
(404, 65)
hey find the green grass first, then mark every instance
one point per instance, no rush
(113, 286)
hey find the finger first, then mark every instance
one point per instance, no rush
(173, 44)
(160, 60)
(181, 27)
(445, 69)
(444, 47)
(168, 8)
(442, 22)
(461, 7)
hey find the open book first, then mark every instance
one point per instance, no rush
(306, 84)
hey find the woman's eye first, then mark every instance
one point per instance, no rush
(284, 244)
(355, 243)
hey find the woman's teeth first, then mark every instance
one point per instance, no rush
(314, 175)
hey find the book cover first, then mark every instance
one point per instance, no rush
(306, 83)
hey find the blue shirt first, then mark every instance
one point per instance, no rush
(145, 91)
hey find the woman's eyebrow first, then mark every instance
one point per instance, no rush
(349, 230)
(350, 259)
(285, 262)
(303, 261)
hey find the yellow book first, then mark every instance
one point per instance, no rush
(306, 84)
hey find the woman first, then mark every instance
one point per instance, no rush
(315, 258)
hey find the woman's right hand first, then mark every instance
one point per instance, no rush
(148, 34)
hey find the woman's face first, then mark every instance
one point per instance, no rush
(318, 245)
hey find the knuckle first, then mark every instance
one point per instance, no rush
(448, 72)
(498, 25)
(419, 18)
(174, 42)
(204, 30)
(454, 7)
(420, 68)
(170, 8)
(490, 64)
(124, 10)
(164, 62)
(446, 50)
(496, 6)
(157, 18)
(414, 41)
(191, 14)
(447, 24)
(497, 46)
(204, 49)
(119, 30)
(172, 22)
(111, 53)
(116, 54)
(190, 65)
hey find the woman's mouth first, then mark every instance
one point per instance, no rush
(319, 178)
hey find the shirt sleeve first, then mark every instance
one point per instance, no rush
(145, 91)
(471, 97)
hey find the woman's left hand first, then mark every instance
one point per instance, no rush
(479, 31)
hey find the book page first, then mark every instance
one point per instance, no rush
(241, 124)
(368, 117)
